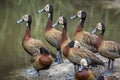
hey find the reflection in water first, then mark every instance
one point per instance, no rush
(13, 56)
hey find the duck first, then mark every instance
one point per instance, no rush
(81, 56)
(42, 61)
(85, 74)
(106, 48)
(32, 46)
(65, 37)
(71, 48)
(85, 38)
(52, 35)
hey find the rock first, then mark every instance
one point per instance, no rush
(61, 72)
(56, 72)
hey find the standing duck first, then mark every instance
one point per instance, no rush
(42, 61)
(65, 38)
(85, 38)
(108, 49)
(72, 51)
(31, 45)
(52, 35)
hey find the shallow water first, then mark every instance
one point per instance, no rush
(12, 54)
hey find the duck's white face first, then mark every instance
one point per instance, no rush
(79, 14)
(25, 18)
(60, 20)
(99, 26)
(76, 44)
(84, 62)
(47, 8)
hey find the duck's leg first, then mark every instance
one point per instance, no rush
(58, 60)
(38, 72)
(108, 72)
(60, 57)
(112, 65)
(109, 64)
(71, 75)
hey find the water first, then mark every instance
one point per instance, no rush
(12, 54)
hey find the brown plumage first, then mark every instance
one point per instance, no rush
(108, 49)
(30, 44)
(81, 55)
(52, 35)
(42, 61)
(65, 38)
(71, 50)
(85, 38)
(85, 74)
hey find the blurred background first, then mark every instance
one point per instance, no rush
(12, 54)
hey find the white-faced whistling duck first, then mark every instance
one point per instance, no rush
(85, 74)
(71, 50)
(81, 56)
(42, 61)
(65, 38)
(108, 49)
(30, 44)
(85, 38)
(52, 35)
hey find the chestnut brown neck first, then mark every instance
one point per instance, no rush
(99, 40)
(28, 31)
(50, 21)
(65, 51)
(80, 26)
(64, 33)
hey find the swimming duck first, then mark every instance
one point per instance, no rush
(85, 38)
(52, 35)
(42, 61)
(108, 49)
(31, 45)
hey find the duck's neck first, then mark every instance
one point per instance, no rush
(80, 26)
(28, 31)
(99, 39)
(65, 51)
(50, 21)
(64, 33)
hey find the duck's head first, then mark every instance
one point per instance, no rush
(83, 64)
(26, 18)
(74, 43)
(61, 20)
(99, 27)
(80, 14)
(48, 8)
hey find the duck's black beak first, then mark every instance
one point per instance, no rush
(41, 10)
(95, 30)
(55, 24)
(73, 17)
(20, 21)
